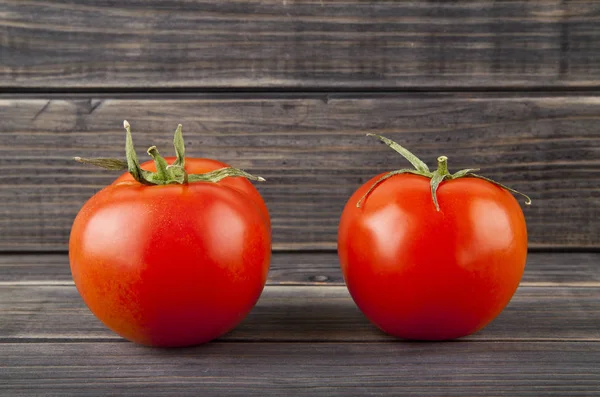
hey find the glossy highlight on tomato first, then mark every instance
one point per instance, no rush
(175, 264)
(426, 274)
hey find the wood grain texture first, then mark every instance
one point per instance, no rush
(315, 268)
(302, 369)
(287, 268)
(311, 149)
(299, 44)
(44, 313)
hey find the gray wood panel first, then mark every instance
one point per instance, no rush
(302, 369)
(298, 44)
(312, 150)
(315, 268)
(45, 313)
(287, 268)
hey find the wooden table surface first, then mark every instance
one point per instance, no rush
(304, 337)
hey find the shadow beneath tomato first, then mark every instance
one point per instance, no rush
(303, 314)
(309, 314)
(328, 314)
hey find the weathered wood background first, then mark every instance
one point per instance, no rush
(312, 150)
(287, 89)
(66, 44)
(310, 146)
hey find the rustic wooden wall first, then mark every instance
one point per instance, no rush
(288, 89)
(304, 43)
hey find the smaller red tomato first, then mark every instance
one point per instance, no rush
(430, 255)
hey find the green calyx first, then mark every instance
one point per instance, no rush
(165, 173)
(436, 177)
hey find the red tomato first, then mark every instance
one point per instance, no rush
(419, 273)
(172, 265)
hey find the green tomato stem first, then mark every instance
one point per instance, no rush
(437, 177)
(108, 164)
(165, 174)
(442, 165)
(161, 164)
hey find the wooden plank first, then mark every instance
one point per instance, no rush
(332, 369)
(312, 150)
(287, 268)
(298, 44)
(315, 268)
(42, 313)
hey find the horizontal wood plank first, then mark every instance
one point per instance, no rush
(287, 268)
(332, 369)
(311, 149)
(314, 268)
(43, 313)
(298, 44)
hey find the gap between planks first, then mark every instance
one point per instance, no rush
(116, 339)
(579, 284)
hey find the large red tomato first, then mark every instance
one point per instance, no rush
(419, 272)
(174, 264)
